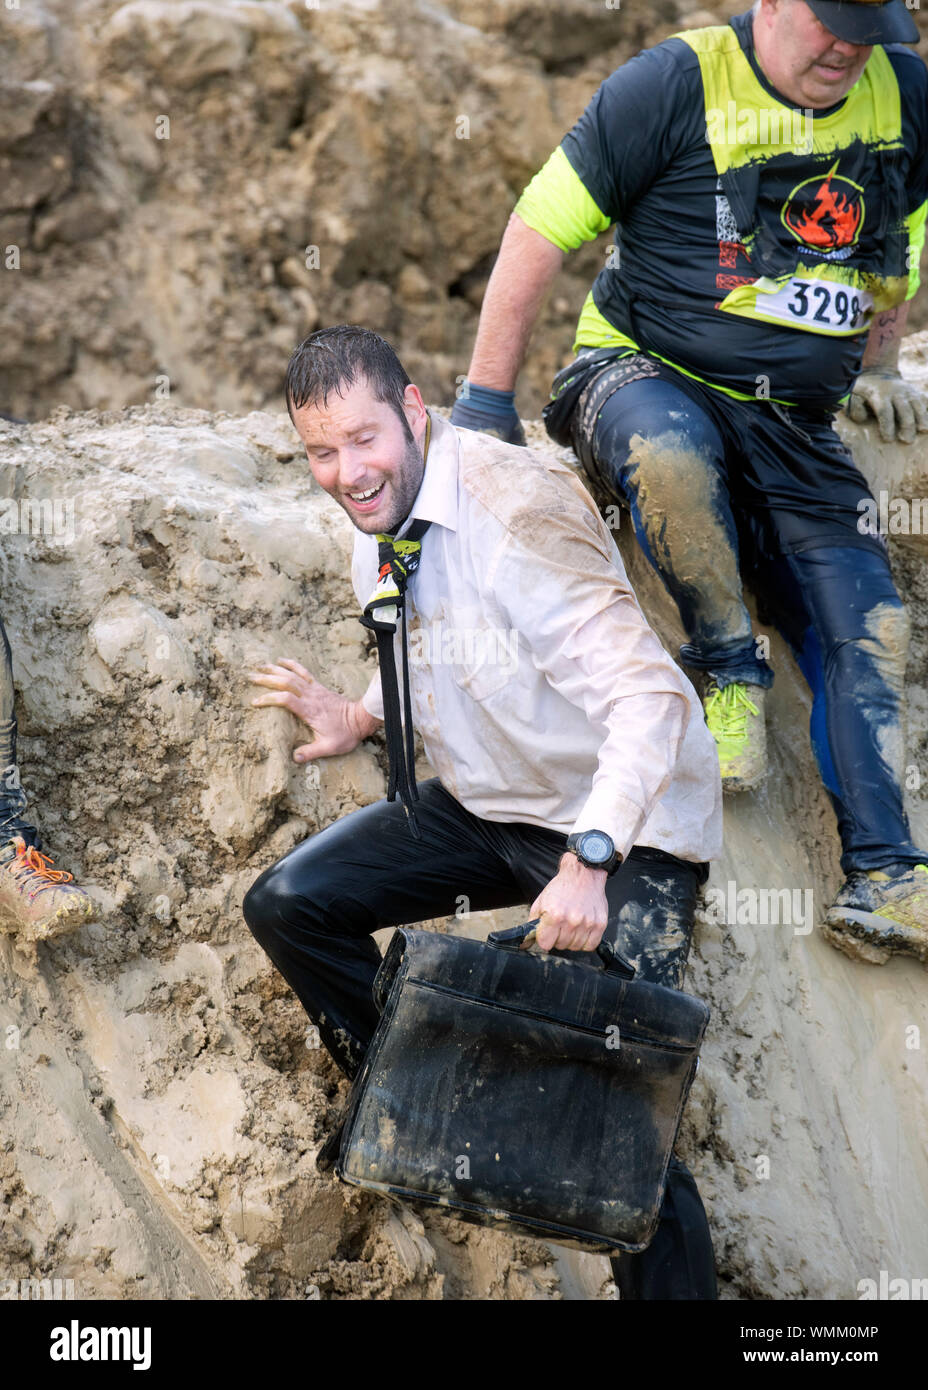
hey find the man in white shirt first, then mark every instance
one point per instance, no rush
(575, 771)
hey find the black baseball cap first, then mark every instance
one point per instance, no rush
(866, 21)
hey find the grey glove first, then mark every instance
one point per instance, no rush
(491, 411)
(901, 409)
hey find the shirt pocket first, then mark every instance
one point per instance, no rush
(482, 658)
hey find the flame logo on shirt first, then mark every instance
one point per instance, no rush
(825, 213)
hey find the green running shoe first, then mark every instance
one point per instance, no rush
(736, 722)
(879, 912)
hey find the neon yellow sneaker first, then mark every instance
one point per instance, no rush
(881, 911)
(36, 901)
(736, 722)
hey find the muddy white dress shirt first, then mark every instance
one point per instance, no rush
(539, 690)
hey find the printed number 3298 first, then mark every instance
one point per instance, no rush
(819, 303)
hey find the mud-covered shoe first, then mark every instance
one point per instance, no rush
(735, 716)
(36, 901)
(879, 912)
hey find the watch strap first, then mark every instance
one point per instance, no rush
(573, 846)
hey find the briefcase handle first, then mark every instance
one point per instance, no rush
(518, 938)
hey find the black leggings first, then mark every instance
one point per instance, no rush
(313, 912)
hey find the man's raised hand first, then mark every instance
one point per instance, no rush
(338, 724)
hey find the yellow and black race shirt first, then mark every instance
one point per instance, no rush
(754, 242)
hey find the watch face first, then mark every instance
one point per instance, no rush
(596, 847)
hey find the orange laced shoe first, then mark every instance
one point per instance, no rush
(36, 901)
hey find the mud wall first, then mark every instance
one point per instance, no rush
(190, 186)
(161, 1097)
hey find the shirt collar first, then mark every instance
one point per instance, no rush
(437, 498)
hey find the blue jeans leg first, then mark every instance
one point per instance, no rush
(839, 610)
(657, 449)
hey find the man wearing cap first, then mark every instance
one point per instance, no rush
(767, 180)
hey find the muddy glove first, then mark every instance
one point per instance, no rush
(900, 408)
(485, 408)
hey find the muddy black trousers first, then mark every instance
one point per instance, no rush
(313, 912)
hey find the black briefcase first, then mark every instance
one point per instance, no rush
(532, 1092)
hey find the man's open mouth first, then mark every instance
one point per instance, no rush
(368, 497)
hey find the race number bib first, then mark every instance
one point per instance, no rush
(818, 305)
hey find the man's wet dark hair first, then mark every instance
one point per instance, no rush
(333, 358)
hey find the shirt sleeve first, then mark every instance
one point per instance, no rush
(561, 582)
(558, 206)
(372, 699)
(633, 125)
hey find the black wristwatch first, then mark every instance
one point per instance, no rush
(595, 849)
